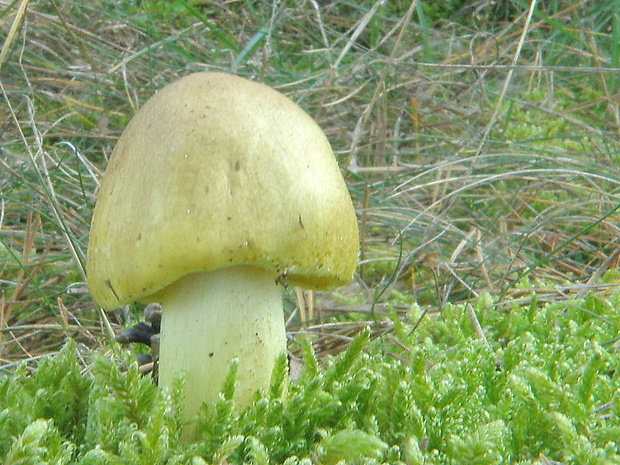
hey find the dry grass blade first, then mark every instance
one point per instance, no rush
(10, 37)
(508, 80)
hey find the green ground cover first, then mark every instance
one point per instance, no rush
(541, 385)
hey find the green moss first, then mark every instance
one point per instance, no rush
(545, 382)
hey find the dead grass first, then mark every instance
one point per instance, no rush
(482, 157)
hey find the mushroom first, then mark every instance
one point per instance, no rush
(219, 190)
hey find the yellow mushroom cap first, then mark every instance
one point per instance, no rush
(214, 171)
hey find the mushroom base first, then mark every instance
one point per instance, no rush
(209, 319)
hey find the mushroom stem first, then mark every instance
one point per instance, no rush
(210, 318)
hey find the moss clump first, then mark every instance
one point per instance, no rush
(544, 383)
